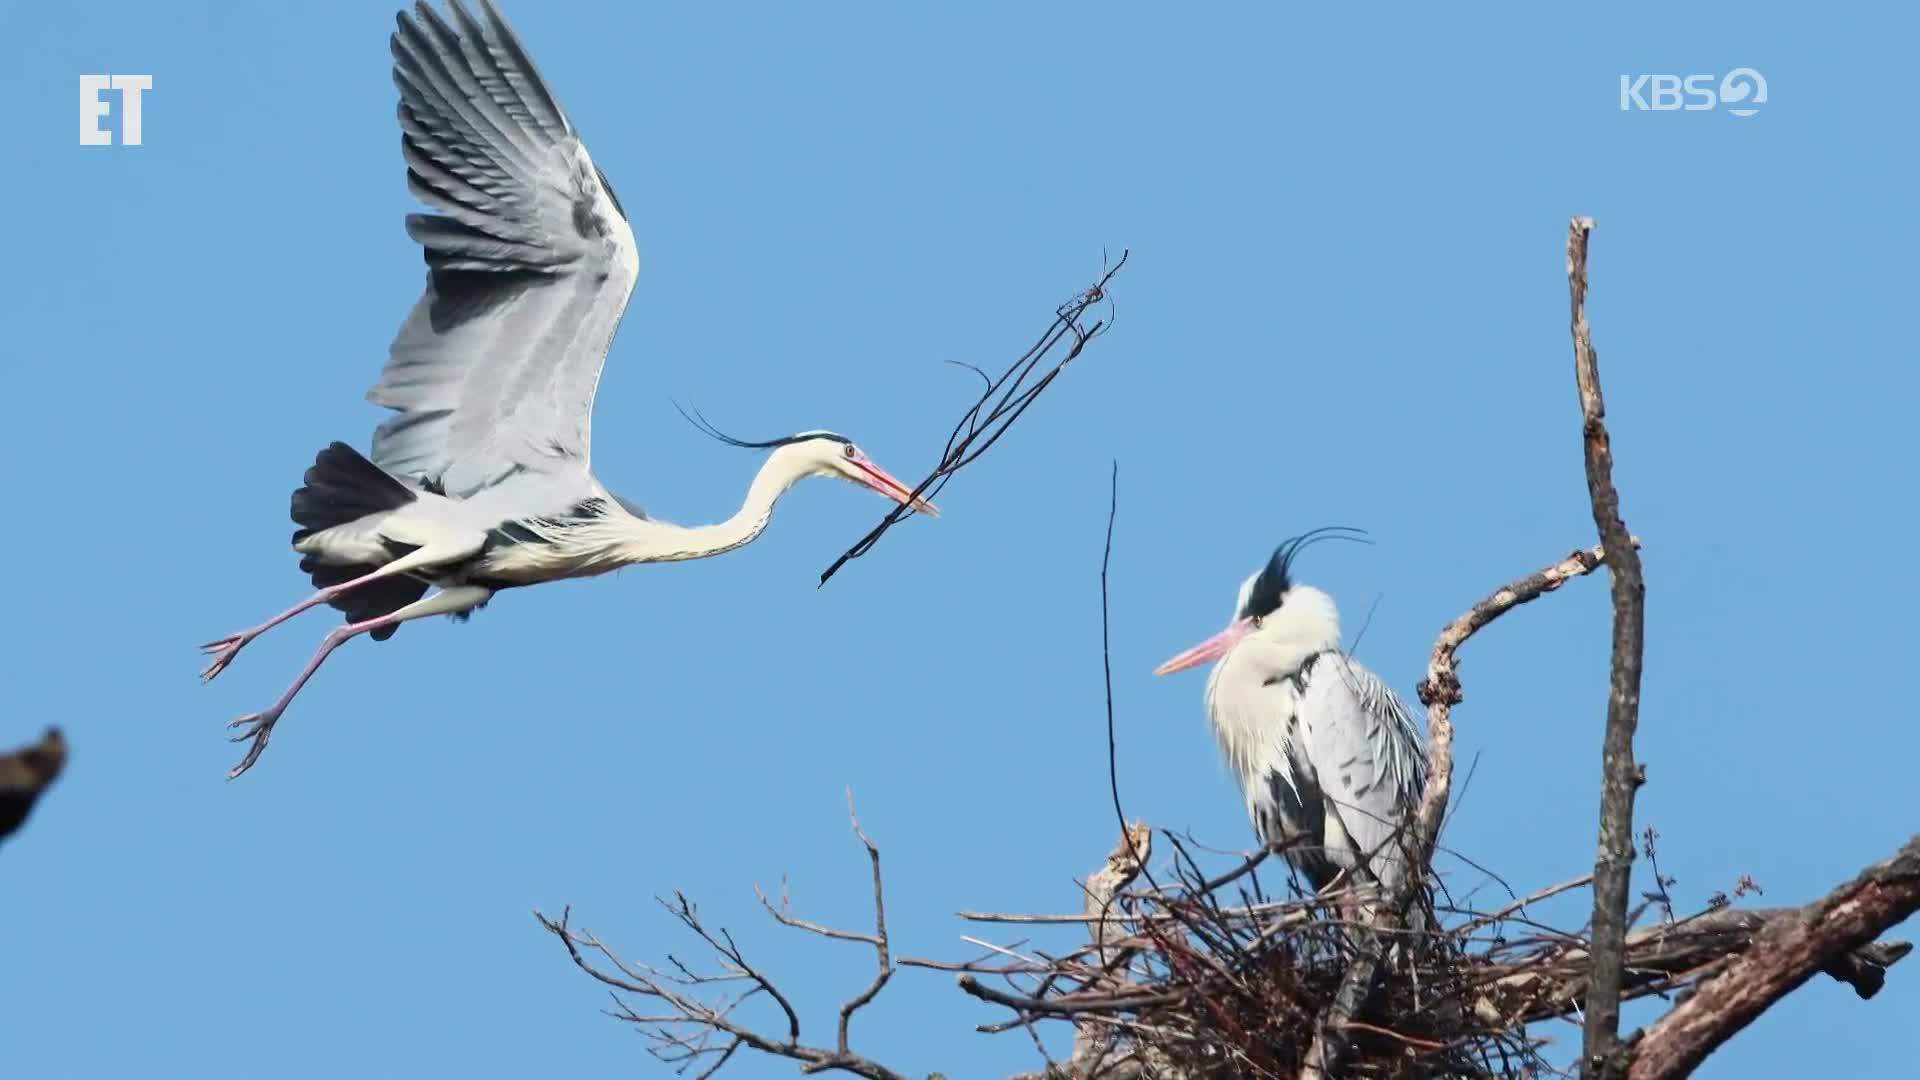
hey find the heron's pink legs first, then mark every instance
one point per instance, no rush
(258, 727)
(435, 554)
(225, 649)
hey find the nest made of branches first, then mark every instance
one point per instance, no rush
(1185, 976)
(1202, 979)
(1193, 977)
(1245, 992)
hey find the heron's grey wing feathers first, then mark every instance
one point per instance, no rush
(1294, 809)
(1367, 751)
(530, 263)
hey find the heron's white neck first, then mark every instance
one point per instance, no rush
(1243, 687)
(659, 541)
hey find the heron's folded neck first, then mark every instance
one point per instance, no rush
(659, 541)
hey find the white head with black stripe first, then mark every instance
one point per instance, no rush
(1281, 622)
(819, 453)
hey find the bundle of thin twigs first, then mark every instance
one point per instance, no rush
(1196, 977)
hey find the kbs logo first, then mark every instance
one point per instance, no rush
(1741, 92)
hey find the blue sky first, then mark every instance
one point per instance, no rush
(1346, 304)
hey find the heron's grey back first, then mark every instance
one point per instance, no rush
(1367, 752)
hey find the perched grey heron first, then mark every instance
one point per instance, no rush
(482, 481)
(1328, 757)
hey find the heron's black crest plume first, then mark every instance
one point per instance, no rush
(1277, 576)
(706, 428)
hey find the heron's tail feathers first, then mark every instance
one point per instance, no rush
(343, 486)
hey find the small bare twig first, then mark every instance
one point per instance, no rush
(878, 939)
(1661, 893)
(698, 1032)
(1524, 902)
(1106, 671)
(1620, 775)
(1002, 400)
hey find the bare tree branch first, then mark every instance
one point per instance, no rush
(1620, 775)
(699, 1032)
(1002, 400)
(879, 938)
(1093, 1041)
(1439, 693)
(1106, 668)
(1660, 958)
(1832, 934)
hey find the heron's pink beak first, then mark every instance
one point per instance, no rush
(1213, 648)
(883, 482)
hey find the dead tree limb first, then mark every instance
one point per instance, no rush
(694, 1031)
(1834, 934)
(1439, 693)
(1002, 399)
(1552, 982)
(1093, 1041)
(1620, 774)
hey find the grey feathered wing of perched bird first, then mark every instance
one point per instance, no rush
(481, 479)
(1328, 757)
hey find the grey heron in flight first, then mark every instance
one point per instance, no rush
(481, 480)
(1327, 755)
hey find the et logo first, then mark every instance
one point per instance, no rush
(93, 107)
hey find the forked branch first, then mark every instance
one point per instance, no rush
(688, 1030)
(1003, 399)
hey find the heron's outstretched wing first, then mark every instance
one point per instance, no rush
(1367, 751)
(530, 264)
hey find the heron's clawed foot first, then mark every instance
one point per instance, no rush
(257, 727)
(223, 652)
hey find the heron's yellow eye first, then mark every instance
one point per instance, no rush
(1257, 620)
(850, 451)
